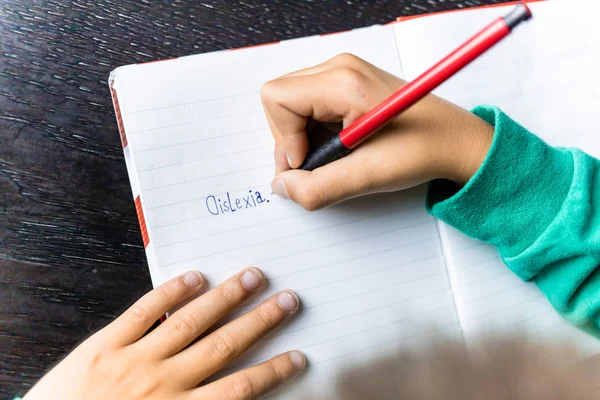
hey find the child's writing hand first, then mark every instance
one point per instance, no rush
(119, 362)
(433, 139)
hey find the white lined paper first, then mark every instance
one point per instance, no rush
(370, 271)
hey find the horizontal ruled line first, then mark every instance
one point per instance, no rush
(193, 122)
(488, 278)
(375, 271)
(208, 177)
(206, 158)
(480, 317)
(513, 323)
(504, 291)
(467, 266)
(190, 102)
(510, 325)
(198, 141)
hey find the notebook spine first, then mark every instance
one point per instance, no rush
(142, 221)
(135, 187)
(115, 101)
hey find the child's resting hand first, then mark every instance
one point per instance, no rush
(119, 362)
(433, 139)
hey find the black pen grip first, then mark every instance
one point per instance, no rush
(332, 150)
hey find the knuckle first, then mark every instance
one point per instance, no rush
(267, 90)
(97, 357)
(242, 388)
(292, 135)
(266, 317)
(310, 199)
(148, 389)
(348, 59)
(169, 292)
(311, 205)
(186, 325)
(138, 315)
(350, 78)
(224, 347)
(277, 371)
(230, 294)
(101, 361)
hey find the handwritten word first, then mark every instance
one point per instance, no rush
(226, 204)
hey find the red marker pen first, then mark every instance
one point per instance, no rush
(342, 144)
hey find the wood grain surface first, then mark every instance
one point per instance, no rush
(71, 255)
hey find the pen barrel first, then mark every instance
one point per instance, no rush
(412, 92)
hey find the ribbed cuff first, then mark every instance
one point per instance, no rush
(515, 194)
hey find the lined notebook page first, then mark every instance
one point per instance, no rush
(540, 76)
(370, 273)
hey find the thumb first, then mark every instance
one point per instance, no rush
(322, 187)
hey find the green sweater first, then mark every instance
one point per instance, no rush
(540, 207)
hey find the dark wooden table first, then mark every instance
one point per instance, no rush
(71, 255)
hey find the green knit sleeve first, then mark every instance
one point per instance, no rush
(540, 207)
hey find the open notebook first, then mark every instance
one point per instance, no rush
(373, 273)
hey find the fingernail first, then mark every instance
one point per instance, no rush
(278, 187)
(193, 279)
(288, 301)
(252, 279)
(289, 160)
(298, 359)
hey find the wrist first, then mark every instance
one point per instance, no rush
(464, 146)
(476, 145)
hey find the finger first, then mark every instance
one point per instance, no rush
(343, 60)
(281, 161)
(185, 325)
(136, 321)
(255, 381)
(228, 342)
(335, 182)
(272, 126)
(330, 96)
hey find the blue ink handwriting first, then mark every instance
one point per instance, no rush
(225, 203)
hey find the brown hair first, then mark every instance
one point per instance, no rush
(496, 368)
